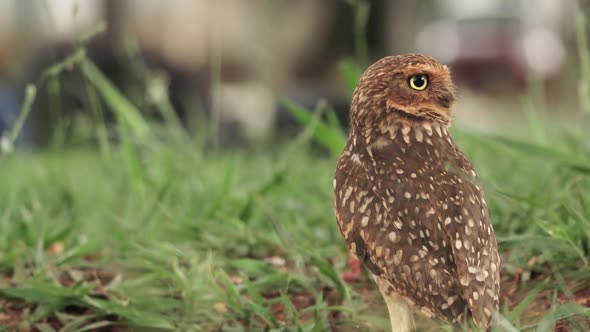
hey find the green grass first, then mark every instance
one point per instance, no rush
(159, 232)
(180, 239)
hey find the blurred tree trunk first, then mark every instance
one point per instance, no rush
(27, 19)
(405, 20)
(114, 14)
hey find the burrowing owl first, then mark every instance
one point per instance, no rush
(408, 202)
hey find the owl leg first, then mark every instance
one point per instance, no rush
(400, 313)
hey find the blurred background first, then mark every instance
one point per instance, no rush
(233, 62)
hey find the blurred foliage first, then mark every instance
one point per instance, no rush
(155, 231)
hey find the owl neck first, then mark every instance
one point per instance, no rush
(385, 116)
(404, 135)
(397, 120)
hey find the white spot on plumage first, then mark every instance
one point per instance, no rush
(405, 130)
(347, 195)
(433, 274)
(397, 258)
(437, 128)
(392, 236)
(464, 280)
(366, 203)
(419, 136)
(480, 277)
(467, 244)
(365, 221)
(428, 128)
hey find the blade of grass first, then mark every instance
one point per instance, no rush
(584, 55)
(352, 73)
(30, 95)
(520, 309)
(257, 303)
(561, 311)
(43, 292)
(291, 310)
(136, 317)
(328, 270)
(126, 112)
(361, 10)
(331, 138)
(101, 128)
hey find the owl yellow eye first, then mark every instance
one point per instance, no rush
(419, 82)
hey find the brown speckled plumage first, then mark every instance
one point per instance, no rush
(408, 202)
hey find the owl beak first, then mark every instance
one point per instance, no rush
(446, 100)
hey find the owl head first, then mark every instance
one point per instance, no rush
(407, 88)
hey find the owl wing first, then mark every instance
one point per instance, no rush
(475, 250)
(404, 219)
(394, 242)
